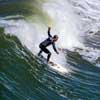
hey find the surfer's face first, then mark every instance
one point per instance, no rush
(55, 39)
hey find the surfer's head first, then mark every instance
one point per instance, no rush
(55, 38)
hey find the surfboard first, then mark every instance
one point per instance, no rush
(55, 66)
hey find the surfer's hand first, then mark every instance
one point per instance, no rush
(57, 52)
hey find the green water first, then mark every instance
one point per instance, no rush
(22, 77)
(19, 73)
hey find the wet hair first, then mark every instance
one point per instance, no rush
(55, 36)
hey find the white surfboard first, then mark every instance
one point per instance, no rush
(55, 66)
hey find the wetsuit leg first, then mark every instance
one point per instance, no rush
(48, 57)
(44, 49)
(48, 52)
(40, 50)
(40, 53)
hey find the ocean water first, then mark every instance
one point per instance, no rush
(24, 24)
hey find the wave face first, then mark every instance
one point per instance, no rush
(23, 25)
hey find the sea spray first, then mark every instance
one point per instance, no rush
(64, 24)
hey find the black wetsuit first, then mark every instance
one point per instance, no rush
(45, 43)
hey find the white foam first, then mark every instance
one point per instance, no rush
(89, 11)
(98, 65)
(31, 34)
(65, 23)
(90, 54)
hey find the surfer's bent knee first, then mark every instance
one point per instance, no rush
(49, 53)
(40, 46)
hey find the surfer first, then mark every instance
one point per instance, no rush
(49, 41)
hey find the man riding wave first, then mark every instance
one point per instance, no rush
(49, 41)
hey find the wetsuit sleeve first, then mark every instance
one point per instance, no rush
(49, 32)
(54, 47)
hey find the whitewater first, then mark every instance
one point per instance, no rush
(31, 34)
(69, 19)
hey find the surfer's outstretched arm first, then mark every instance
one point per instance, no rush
(54, 47)
(49, 28)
